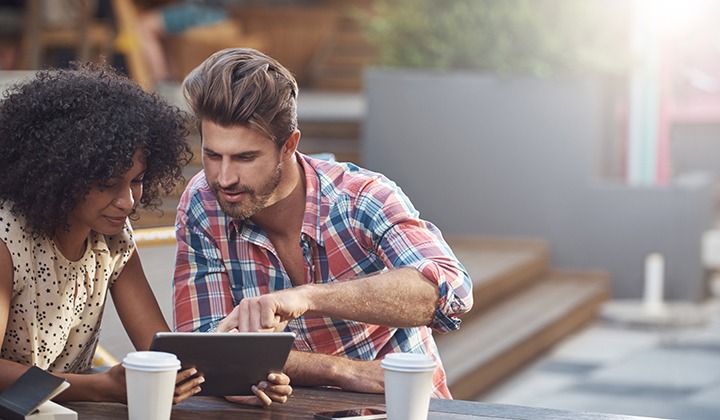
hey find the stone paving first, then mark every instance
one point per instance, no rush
(630, 369)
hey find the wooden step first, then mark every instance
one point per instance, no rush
(498, 266)
(341, 82)
(325, 132)
(329, 128)
(345, 150)
(488, 348)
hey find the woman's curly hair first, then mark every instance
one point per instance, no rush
(67, 130)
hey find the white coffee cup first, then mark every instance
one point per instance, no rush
(408, 384)
(150, 381)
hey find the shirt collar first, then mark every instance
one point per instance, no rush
(315, 211)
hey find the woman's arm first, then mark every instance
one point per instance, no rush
(141, 316)
(106, 386)
(98, 387)
(136, 305)
(9, 371)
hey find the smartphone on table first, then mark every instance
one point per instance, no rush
(355, 413)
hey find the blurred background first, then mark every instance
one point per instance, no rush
(568, 149)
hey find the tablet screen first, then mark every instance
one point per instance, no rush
(231, 362)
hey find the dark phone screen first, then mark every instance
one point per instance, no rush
(356, 413)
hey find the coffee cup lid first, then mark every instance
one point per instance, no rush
(151, 361)
(408, 362)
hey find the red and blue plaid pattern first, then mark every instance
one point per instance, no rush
(356, 223)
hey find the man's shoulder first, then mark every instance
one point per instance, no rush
(198, 205)
(197, 189)
(344, 177)
(198, 197)
(198, 181)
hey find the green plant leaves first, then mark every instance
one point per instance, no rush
(537, 37)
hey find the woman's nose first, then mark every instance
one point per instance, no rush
(125, 199)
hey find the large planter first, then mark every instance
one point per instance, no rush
(479, 154)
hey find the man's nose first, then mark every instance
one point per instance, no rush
(228, 175)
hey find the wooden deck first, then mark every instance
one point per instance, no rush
(522, 308)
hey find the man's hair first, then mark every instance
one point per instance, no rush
(67, 130)
(244, 87)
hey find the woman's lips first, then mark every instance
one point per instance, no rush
(115, 220)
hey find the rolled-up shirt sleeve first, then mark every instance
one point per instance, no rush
(402, 239)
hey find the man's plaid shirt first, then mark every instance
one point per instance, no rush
(356, 223)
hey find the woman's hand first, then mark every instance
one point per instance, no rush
(187, 384)
(276, 389)
(115, 388)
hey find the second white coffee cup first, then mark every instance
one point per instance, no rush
(150, 381)
(408, 384)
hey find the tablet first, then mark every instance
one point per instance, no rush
(230, 362)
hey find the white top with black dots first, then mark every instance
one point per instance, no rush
(56, 304)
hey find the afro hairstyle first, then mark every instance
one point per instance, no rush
(67, 130)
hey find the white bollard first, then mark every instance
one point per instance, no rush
(654, 284)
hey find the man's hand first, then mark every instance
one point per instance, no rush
(276, 389)
(367, 376)
(316, 369)
(269, 312)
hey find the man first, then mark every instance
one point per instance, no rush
(270, 239)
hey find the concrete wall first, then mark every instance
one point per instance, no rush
(696, 147)
(483, 155)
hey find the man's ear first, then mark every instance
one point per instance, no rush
(291, 145)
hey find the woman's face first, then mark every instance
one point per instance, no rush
(106, 207)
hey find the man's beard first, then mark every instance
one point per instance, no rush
(255, 200)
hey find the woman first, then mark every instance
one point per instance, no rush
(80, 149)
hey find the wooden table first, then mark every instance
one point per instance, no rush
(307, 401)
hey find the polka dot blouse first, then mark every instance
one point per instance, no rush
(56, 304)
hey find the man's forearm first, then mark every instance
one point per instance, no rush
(398, 298)
(315, 369)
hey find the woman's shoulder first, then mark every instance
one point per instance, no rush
(13, 227)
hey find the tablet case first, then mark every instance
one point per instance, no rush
(29, 392)
(230, 362)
